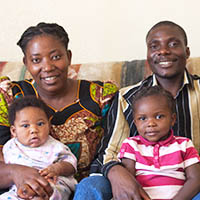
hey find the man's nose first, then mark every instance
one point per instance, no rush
(164, 50)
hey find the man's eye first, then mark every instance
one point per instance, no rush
(56, 57)
(173, 44)
(153, 46)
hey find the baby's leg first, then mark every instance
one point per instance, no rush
(11, 195)
(37, 198)
(63, 188)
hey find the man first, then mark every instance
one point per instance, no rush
(167, 53)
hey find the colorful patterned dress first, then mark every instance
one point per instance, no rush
(78, 125)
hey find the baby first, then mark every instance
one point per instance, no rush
(166, 166)
(31, 145)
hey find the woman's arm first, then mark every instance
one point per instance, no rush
(23, 176)
(192, 184)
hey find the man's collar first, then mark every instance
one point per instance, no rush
(186, 81)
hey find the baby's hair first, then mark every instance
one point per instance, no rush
(172, 24)
(24, 102)
(52, 29)
(155, 91)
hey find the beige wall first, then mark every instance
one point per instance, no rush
(99, 30)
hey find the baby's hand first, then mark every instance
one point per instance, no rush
(49, 173)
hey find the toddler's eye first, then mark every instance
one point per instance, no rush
(142, 118)
(159, 116)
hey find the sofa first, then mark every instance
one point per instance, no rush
(123, 73)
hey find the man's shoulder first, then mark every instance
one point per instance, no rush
(128, 91)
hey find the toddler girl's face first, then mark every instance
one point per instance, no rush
(31, 127)
(153, 118)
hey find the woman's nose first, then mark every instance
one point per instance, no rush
(47, 65)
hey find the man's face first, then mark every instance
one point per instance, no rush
(167, 52)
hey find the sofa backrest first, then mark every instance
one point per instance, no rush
(123, 73)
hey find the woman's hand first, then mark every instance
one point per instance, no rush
(30, 183)
(125, 186)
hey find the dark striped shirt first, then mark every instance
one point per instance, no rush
(120, 119)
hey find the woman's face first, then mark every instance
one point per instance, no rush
(47, 59)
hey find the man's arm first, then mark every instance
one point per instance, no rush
(116, 130)
(124, 184)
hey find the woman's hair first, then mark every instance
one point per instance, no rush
(155, 91)
(52, 29)
(24, 102)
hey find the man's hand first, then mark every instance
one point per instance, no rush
(125, 186)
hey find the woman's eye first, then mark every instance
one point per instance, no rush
(36, 60)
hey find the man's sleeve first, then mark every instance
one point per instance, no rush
(116, 130)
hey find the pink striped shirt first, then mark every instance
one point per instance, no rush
(160, 166)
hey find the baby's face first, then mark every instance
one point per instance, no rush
(31, 127)
(153, 118)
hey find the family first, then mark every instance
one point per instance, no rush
(79, 139)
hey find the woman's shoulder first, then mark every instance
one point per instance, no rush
(23, 87)
(106, 87)
(99, 91)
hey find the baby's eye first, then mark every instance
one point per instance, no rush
(159, 116)
(40, 123)
(25, 125)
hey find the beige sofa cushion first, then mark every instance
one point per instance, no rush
(123, 73)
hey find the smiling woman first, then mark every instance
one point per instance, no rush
(77, 107)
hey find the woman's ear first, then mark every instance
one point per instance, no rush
(24, 60)
(13, 131)
(69, 55)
